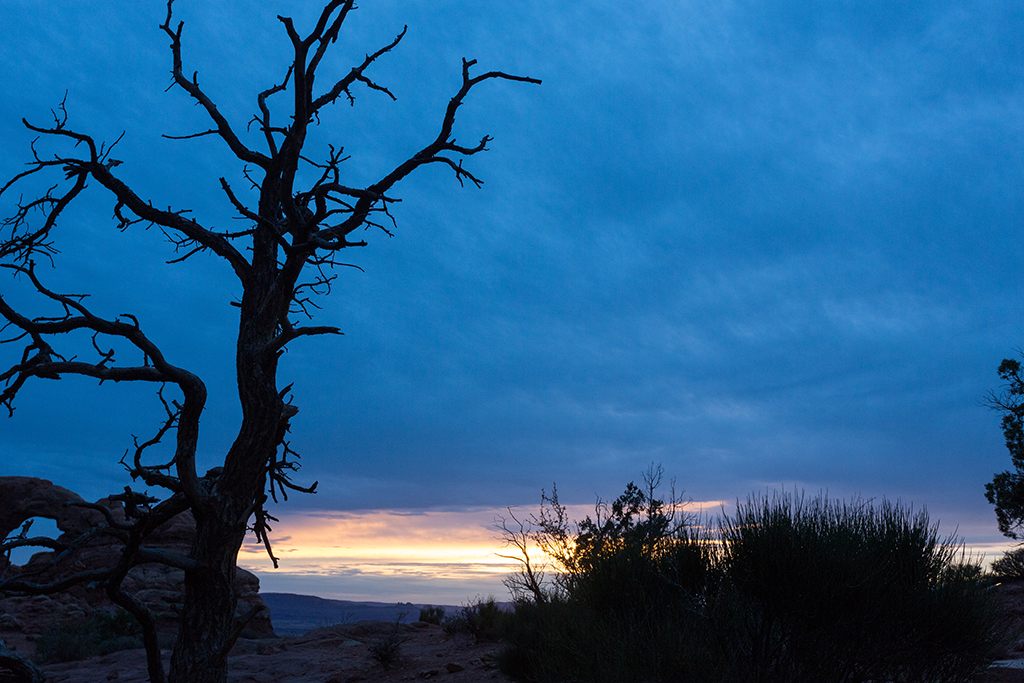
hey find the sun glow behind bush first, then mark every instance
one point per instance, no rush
(444, 556)
(428, 556)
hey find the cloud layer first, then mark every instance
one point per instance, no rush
(761, 244)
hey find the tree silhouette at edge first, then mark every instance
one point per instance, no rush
(283, 261)
(1006, 490)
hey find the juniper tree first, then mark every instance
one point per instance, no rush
(1006, 490)
(282, 258)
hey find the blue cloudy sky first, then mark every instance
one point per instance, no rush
(766, 244)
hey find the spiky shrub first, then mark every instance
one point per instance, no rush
(388, 650)
(784, 590)
(842, 591)
(67, 642)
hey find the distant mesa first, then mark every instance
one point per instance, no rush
(298, 614)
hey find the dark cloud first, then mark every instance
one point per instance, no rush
(763, 244)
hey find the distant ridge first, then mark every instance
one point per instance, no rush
(293, 614)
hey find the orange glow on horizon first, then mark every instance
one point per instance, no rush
(428, 556)
(383, 541)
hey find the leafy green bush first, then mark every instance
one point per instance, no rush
(786, 589)
(431, 615)
(1010, 567)
(81, 638)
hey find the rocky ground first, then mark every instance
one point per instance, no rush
(345, 654)
(335, 654)
(1011, 669)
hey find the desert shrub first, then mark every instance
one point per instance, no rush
(388, 651)
(80, 638)
(636, 559)
(431, 615)
(68, 642)
(629, 599)
(565, 641)
(1010, 567)
(485, 620)
(786, 589)
(849, 591)
(336, 620)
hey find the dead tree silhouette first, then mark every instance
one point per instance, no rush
(282, 259)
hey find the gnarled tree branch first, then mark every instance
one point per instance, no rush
(283, 258)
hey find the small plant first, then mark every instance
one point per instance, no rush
(484, 620)
(81, 638)
(432, 615)
(328, 622)
(1010, 567)
(68, 642)
(388, 651)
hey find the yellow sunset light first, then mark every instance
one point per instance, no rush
(387, 540)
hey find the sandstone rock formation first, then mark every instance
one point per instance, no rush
(22, 498)
(161, 587)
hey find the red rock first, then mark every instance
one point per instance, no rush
(160, 586)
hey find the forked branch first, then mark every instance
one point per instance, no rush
(191, 86)
(39, 359)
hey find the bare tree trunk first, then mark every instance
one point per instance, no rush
(282, 261)
(209, 608)
(207, 626)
